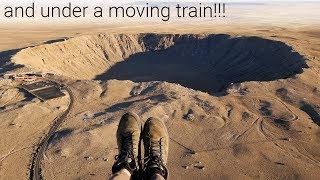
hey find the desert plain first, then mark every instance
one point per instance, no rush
(239, 101)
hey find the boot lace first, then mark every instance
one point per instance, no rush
(155, 159)
(155, 148)
(127, 147)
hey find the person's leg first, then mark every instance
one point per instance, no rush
(128, 139)
(123, 174)
(156, 144)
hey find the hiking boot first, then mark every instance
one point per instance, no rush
(128, 139)
(156, 146)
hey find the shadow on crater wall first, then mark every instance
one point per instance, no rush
(210, 64)
(5, 64)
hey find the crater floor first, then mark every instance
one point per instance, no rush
(209, 63)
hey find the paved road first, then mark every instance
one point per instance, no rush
(35, 170)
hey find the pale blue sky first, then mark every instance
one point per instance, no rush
(213, 0)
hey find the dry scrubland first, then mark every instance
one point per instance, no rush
(241, 102)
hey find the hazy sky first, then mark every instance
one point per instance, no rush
(213, 0)
(269, 12)
(115, 1)
(9, 2)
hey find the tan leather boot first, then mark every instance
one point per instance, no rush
(128, 139)
(156, 145)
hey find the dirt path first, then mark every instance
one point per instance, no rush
(35, 170)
